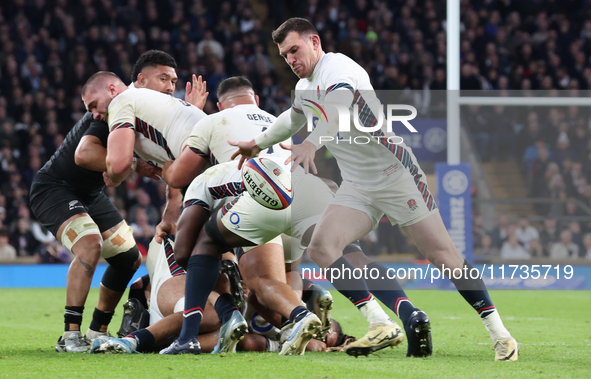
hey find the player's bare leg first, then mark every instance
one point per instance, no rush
(87, 251)
(433, 241)
(263, 271)
(338, 227)
(124, 259)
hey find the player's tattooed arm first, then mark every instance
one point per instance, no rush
(196, 95)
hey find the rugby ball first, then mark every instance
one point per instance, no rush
(267, 182)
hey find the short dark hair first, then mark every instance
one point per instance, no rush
(98, 76)
(151, 58)
(4, 233)
(294, 24)
(232, 84)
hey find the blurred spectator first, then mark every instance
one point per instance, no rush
(143, 202)
(142, 230)
(565, 248)
(478, 230)
(587, 246)
(512, 249)
(525, 232)
(549, 235)
(499, 234)
(7, 251)
(23, 240)
(535, 248)
(577, 236)
(485, 250)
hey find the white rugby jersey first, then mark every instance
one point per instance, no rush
(162, 123)
(243, 122)
(373, 157)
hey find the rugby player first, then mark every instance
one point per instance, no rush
(67, 197)
(263, 268)
(151, 125)
(167, 281)
(379, 178)
(241, 222)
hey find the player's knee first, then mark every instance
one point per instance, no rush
(83, 238)
(121, 269)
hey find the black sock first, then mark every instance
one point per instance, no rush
(139, 293)
(353, 289)
(298, 313)
(284, 322)
(202, 276)
(389, 291)
(100, 318)
(73, 315)
(145, 340)
(225, 306)
(474, 291)
(307, 289)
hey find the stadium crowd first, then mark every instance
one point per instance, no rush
(49, 49)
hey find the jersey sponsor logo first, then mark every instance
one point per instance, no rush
(75, 204)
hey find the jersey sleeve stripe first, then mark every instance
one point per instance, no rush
(296, 110)
(123, 125)
(188, 203)
(199, 152)
(339, 85)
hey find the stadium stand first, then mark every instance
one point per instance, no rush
(49, 48)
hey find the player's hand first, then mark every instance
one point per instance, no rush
(196, 95)
(109, 182)
(246, 150)
(148, 170)
(164, 228)
(303, 153)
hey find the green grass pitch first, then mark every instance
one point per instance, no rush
(552, 327)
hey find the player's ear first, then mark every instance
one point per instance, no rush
(141, 78)
(220, 107)
(256, 99)
(315, 39)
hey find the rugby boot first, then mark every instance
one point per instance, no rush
(135, 317)
(301, 333)
(230, 268)
(321, 304)
(418, 334)
(378, 337)
(506, 349)
(112, 345)
(75, 342)
(231, 333)
(192, 346)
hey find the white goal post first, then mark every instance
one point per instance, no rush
(454, 100)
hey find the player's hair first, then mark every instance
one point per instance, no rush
(232, 84)
(4, 233)
(151, 58)
(294, 24)
(96, 77)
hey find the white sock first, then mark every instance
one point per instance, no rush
(495, 327)
(273, 346)
(374, 313)
(69, 333)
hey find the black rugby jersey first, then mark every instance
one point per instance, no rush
(62, 164)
